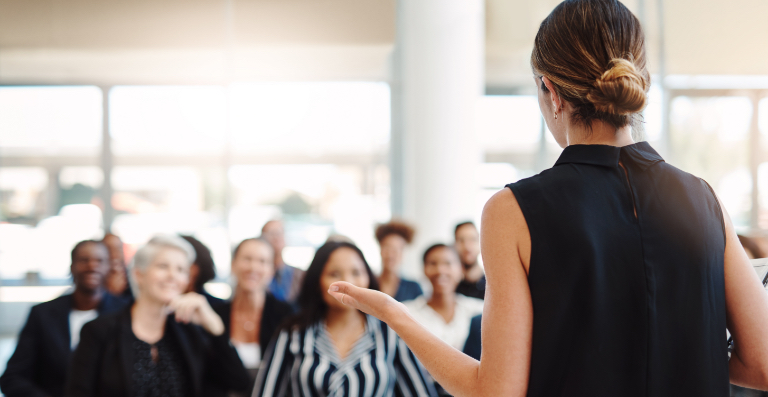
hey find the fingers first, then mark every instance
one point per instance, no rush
(341, 290)
(186, 308)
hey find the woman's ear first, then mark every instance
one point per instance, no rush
(557, 102)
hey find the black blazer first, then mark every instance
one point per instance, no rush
(102, 364)
(39, 365)
(473, 346)
(275, 311)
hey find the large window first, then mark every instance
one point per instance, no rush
(215, 162)
(711, 139)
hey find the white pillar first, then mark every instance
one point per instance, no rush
(440, 73)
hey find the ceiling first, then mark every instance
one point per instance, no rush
(214, 41)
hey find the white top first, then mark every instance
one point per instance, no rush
(78, 318)
(454, 333)
(250, 354)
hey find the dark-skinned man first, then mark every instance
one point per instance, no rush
(40, 363)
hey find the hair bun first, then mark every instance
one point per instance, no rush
(620, 90)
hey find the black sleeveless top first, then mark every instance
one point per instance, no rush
(624, 305)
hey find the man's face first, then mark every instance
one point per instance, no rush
(90, 266)
(273, 232)
(468, 244)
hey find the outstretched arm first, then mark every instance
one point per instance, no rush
(507, 314)
(746, 308)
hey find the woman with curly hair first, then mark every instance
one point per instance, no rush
(393, 237)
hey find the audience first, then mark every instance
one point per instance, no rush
(286, 282)
(143, 350)
(253, 315)
(392, 238)
(175, 339)
(329, 348)
(39, 365)
(117, 277)
(201, 271)
(468, 247)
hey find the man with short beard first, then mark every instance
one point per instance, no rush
(468, 247)
(40, 363)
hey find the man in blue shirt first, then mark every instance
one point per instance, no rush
(287, 281)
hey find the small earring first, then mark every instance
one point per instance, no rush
(555, 115)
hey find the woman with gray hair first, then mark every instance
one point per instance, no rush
(166, 344)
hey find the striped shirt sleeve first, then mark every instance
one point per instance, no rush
(411, 378)
(275, 369)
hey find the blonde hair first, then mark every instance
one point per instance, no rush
(593, 52)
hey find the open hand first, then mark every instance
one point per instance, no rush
(375, 303)
(194, 308)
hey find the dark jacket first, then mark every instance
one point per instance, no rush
(275, 311)
(39, 365)
(472, 347)
(103, 363)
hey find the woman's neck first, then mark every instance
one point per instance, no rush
(598, 133)
(343, 318)
(148, 319)
(248, 300)
(442, 301)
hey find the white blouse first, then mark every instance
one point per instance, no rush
(455, 332)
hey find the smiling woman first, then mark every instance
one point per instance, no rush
(253, 314)
(180, 354)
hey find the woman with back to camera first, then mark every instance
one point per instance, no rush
(253, 314)
(332, 349)
(612, 273)
(393, 237)
(144, 351)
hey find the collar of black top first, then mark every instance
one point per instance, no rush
(640, 153)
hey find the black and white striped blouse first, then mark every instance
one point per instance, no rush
(305, 363)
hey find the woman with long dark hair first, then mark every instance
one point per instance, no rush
(613, 273)
(329, 348)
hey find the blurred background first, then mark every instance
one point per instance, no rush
(210, 117)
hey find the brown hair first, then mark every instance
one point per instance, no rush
(399, 228)
(593, 52)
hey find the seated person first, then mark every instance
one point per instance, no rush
(446, 313)
(331, 349)
(202, 271)
(39, 365)
(144, 351)
(287, 280)
(468, 247)
(392, 238)
(253, 315)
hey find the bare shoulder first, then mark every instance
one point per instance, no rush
(504, 228)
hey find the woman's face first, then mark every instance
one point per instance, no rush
(555, 126)
(166, 277)
(392, 247)
(254, 266)
(344, 264)
(443, 269)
